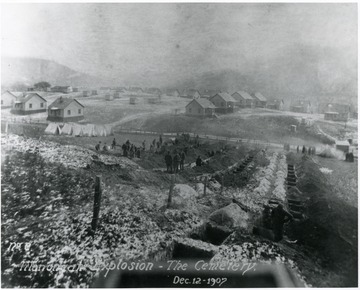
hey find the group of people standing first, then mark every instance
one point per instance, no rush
(105, 147)
(130, 150)
(175, 162)
(311, 150)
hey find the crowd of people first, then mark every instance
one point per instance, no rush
(176, 162)
(311, 150)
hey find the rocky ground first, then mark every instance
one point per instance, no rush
(47, 203)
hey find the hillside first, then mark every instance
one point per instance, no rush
(298, 71)
(28, 71)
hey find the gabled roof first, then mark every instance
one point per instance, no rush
(244, 95)
(226, 97)
(14, 94)
(210, 93)
(26, 97)
(260, 97)
(205, 103)
(62, 103)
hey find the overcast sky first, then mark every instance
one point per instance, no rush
(157, 40)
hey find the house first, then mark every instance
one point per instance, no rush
(173, 93)
(329, 109)
(190, 94)
(342, 146)
(62, 89)
(8, 98)
(133, 101)
(116, 95)
(200, 107)
(29, 103)
(223, 102)
(65, 110)
(260, 100)
(275, 104)
(109, 97)
(154, 91)
(209, 93)
(136, 90)
(244, 100)
(301, 106)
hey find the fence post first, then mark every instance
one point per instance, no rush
(222, 183)
(97, 202)
(205, 182)
(171, 190)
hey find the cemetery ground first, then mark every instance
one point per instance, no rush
(48, 196)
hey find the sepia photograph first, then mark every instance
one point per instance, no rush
(179, 145)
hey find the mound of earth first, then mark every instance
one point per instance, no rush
(183, 196)
(231, 216)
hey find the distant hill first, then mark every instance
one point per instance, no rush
(28, 71)
(298, 71)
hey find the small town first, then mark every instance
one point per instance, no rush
(225, 178)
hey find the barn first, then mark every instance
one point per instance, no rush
(243, 99)
(65, 110)
(223, 102)
(200, 107)
(30, 103)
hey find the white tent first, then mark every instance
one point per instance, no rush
(108, 129)
(67, 129)
(100, 130)
(77, 130)
(89, 130)
(53, 129)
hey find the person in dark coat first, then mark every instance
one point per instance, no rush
(105, 148)
(198, 161)
(279, 216)
(182, 160)
(303, 149)
(138, 152)
(176, 161)
(297, 149)
(168, 161)
(160, 139)
(113, 144)
(97, 147)
(144, 145)
(125, 150)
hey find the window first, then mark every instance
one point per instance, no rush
(69, 112)
(189, 110)
(41, 105)
(79, 111)
(30, 106)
